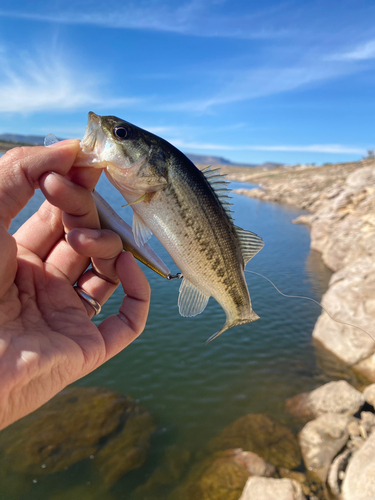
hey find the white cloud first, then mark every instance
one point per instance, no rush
(247, 84)
(194, 17)
(31, 83)
(361, 53)
(313, 148)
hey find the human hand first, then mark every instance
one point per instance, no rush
(47, 339)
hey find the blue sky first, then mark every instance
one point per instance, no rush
(251, 81)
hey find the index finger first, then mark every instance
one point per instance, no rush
(21, 168)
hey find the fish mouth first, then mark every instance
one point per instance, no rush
(93, 142)
(89, 140)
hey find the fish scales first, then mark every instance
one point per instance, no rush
(186, 210)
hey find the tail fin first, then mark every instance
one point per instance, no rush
(229, 323)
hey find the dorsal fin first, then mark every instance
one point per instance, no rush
(250, 243)
(219, 184)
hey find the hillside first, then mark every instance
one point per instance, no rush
(9, 141)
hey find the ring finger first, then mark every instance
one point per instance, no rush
(103, 247)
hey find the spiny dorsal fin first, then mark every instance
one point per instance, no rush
(191, 301)
(250, 243)
(219, 185)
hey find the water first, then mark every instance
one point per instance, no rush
(193, 390)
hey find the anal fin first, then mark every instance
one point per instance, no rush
(191, 301)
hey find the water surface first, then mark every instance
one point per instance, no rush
(193, 390)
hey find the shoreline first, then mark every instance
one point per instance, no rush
(341, 199)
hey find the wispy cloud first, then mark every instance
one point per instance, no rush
(313, 148)
(31, 83)
(194, 17)
(244, 84)
(360, 53)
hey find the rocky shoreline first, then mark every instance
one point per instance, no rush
(341, 199)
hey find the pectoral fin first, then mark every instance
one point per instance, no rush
(141, 232)
(191, 301)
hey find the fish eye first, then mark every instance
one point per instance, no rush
(122, 132)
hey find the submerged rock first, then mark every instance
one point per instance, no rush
(166, 476)
(79, 423)
(261, 488)
(333, 397)
(258, 433)
(221, 476)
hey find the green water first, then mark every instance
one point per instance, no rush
(194, 390)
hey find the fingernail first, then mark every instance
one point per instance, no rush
(61, 144)
(62, 178)
(91, 234)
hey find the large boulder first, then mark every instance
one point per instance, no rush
(79, 423)
(349, 299)
(258, 433)
(334, 397)
(359, 481)
(261, 488)
(321, 440)
(221, 476)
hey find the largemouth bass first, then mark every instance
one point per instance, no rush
(188, 210)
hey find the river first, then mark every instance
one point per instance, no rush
(194, 390)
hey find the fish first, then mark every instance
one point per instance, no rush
(187, 209)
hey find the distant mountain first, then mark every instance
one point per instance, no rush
(207, 160)
(38, 140)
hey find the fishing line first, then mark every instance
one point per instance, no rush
(312, 300)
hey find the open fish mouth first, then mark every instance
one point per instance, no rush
(93, 142)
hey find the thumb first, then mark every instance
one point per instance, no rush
(21, 168)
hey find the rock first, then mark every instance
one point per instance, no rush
(261, 435)
(359, 481)
(336, 472)
(300, 477)
(299, 406)
(366, 424)
(128, 449)
(261, 488)
(221, 476)
(348, 300)
(334, 397)
(321, 440)
(353, 428)
(86, 492)
(79, 423)
(366, 368)
(369, 394)
(166, 476)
